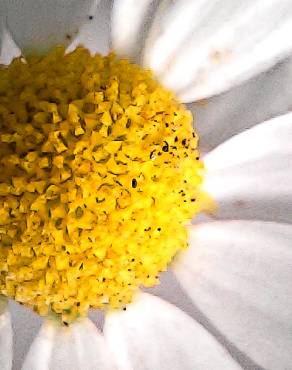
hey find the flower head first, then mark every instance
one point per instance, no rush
(100, 169)
(237, 270)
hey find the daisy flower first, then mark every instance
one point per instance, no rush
(103, 183)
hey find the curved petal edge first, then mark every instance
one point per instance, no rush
(239, 274)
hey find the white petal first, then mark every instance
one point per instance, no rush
(259, 99)
(38, 25)
(26, 325)
(79, 347)
(128, 19)
(152, 334)
(40, 351)
(201, 48)
(239, 274)
(250, 175)
(95, 34)
(9, 49)
(5, 336)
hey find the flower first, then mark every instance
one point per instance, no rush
(101, 173)
(238, 267)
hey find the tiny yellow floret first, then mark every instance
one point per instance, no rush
(99, 176)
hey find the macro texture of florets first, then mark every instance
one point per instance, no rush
(99, 176)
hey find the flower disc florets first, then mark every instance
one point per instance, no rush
(99, 174)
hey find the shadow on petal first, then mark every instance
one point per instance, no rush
(238, 274)
(152, 334)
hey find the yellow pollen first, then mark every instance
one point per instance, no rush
(99, 176)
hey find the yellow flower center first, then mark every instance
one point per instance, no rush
(99, 175)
